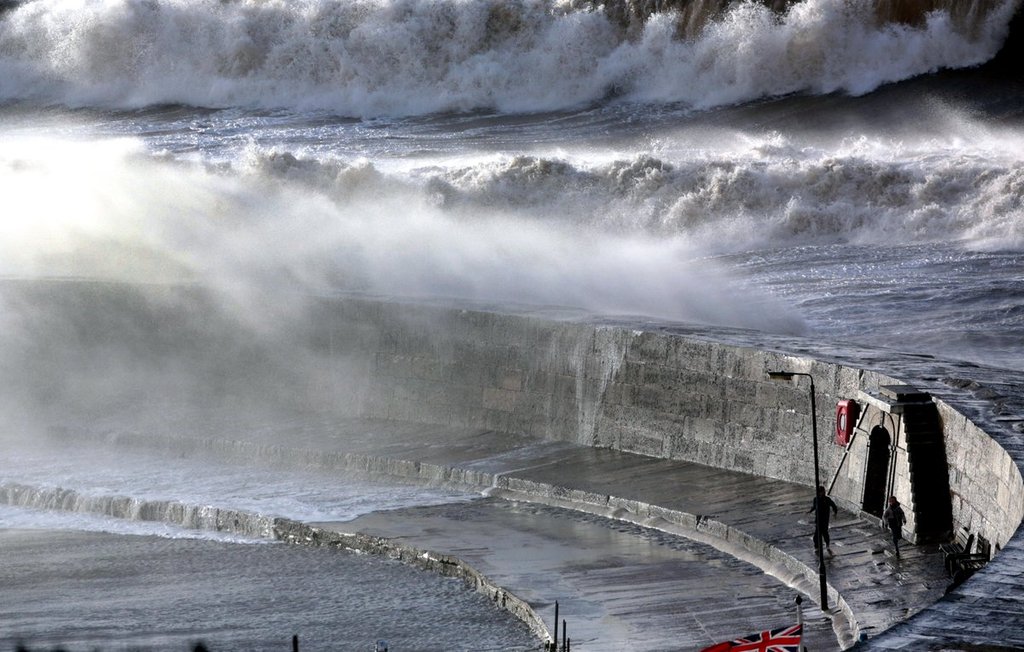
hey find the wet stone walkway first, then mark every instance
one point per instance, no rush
(619, 586)
(631, 582)
(756, 519)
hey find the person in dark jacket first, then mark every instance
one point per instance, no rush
(820, 507)
(894, 518)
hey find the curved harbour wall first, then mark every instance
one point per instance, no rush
(86, 351)
(643, 391)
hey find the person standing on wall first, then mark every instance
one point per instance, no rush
(820, 507)
(894, 518)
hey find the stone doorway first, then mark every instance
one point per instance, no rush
(877, 473)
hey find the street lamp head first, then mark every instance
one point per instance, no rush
(781, 375)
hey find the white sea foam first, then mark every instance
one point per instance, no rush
(407, 57)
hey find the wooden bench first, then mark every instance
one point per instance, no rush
(965, 565)
(960, 545)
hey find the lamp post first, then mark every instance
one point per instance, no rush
(820, 544)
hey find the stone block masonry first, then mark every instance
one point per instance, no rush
(653, 393)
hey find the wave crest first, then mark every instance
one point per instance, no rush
(411, 57)
(736, 203)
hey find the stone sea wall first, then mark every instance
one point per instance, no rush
(641, 391)
(684, 394)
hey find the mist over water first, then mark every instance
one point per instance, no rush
(586, 220)
(274, 222)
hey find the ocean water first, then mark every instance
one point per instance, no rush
(845, 171)
(90, 589)
(812, 171)
(77, 577)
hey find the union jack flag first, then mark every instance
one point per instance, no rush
(785, 639)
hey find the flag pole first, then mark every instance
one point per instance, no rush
(800, 621)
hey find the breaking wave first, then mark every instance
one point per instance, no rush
(412, 57)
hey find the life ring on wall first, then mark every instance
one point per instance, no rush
(846, 418)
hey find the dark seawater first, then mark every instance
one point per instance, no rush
(93, 590)
(823, 171)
